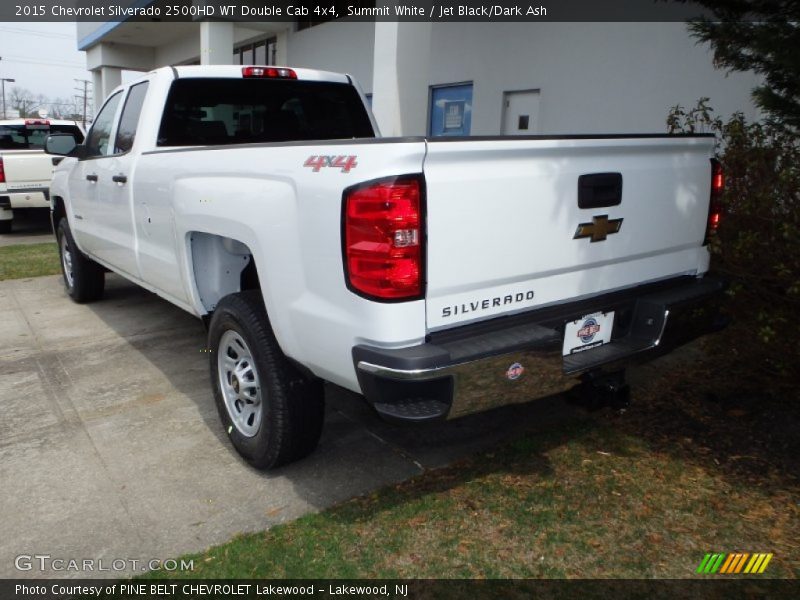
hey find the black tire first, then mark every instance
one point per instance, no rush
(5, 226)
(292, 406)
(87, 279)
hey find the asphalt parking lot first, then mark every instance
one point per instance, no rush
(111, 448)
(28, 227)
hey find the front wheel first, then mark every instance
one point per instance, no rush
(84, 279)
(5, 226)
(272, 413)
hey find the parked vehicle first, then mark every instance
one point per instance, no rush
(437, 277)
(25, 169)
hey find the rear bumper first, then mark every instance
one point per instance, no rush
(516, 359)
(33, 198)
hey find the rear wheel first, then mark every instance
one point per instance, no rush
(5, 226)
(84, 279)
(272, 413)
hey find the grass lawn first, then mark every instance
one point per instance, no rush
(28, 260)
(640, 494)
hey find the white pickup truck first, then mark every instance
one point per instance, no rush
(436, 277)
(25, 170)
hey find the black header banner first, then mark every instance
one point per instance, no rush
(316, 11)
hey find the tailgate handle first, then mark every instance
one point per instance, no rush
(598, 190)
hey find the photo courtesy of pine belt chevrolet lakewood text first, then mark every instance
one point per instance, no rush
(435, 277)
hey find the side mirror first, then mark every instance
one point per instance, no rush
(61, 144)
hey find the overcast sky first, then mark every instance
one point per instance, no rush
(42, 57)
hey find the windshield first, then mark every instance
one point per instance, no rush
(32, 136)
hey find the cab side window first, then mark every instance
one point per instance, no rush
(99, 136)
(126, 132)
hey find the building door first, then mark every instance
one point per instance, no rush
(450, 110)
(521, 112)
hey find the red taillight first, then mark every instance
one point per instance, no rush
(715, 202)
(269, 72)
(2, 172)
(383, 238)
(37, 122)
(717, 177)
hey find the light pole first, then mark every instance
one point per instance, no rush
(3, 91)
(3, 87)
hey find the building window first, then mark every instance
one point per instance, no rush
(261, 52)
(450, 110)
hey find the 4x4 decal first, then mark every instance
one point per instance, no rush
(345, 163)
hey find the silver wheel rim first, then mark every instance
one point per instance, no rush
(238, 380)
(66, 261)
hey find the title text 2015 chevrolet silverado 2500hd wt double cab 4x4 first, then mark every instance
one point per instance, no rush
(25, 170)
(435, 277)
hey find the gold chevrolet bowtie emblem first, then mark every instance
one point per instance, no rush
(598, 229)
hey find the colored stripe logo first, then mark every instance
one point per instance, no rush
(734, 563)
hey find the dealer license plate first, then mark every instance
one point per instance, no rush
(588, 332)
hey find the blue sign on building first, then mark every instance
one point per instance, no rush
(451, 110)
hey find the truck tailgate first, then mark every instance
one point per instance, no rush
(506, 233)
(27, 169)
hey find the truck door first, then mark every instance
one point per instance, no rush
(114, 213)
(84, 178)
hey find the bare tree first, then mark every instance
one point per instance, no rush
(64, 108)
(42, 104)
(29, 105)
(22, 100)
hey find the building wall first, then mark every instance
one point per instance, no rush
(340, 46)
(187, 47)
(85, 28)
(178, 51)
(593, 77)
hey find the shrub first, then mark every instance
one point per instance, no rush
(758, 243)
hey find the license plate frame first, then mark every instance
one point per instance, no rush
(596, 329)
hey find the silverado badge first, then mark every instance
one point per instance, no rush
(598, 229)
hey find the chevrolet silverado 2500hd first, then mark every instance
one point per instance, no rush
(436, 277)
(25, 170)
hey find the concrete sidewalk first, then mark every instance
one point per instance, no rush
(111, 448)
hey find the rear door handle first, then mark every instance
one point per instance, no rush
(92, 178)
(120, 179)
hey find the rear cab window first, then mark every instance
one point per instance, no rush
(129, 120)
(215, 111)
(32, 134)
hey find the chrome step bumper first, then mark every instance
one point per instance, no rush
(516, 359)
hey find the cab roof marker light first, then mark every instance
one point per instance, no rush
(268, 72)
